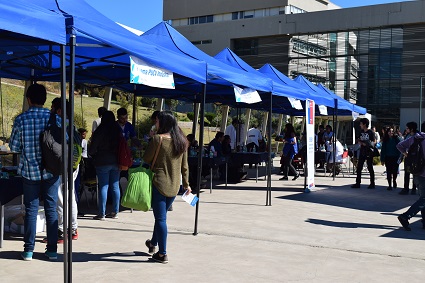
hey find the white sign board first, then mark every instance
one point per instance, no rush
(143, 73)
(323, 110)
(311, 142)
(295, 103)
(246, 95)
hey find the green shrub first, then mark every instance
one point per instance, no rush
(190, 115)
(79, 122)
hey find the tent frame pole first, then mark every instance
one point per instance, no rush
(200, 156)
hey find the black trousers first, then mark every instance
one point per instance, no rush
(360, 163)
(391, 166)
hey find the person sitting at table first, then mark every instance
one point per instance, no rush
(338, 155)
(252, 141)
(192, 141)
(215, 144)
(290, 148)
(225, 145)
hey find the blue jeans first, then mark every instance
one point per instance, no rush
(48, 190)
(160, 205)
(419, 205)
(108, 176)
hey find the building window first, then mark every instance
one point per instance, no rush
(200, 20)
(243, 15)
(307, 48)
(245, 46)
(201, 42)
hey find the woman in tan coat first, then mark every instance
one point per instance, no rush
(170, 167)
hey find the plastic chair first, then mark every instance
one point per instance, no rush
(342, 164)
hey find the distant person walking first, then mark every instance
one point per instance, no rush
(366, 142)
(411, 130)
(419, 180)
(290, 148)
(390, 156)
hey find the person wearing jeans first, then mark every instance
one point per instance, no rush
(108, 176)
(160, 205)
(48, 190)
(167, 154)
(419, 181)
(104, 150)
(25, 139)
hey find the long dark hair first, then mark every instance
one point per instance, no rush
(108, 126)
(387, 136)
(168, 124)
(289, 131)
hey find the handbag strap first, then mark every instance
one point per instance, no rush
(156, 152)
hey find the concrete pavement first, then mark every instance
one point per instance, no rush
(333, 234)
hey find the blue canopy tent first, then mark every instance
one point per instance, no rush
(218, 73)
(221, 77)
(342, 101)
(281, 92)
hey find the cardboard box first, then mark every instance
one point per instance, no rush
(14, 216)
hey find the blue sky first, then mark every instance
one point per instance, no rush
(144, 14)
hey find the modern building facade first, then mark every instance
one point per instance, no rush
(372, 55)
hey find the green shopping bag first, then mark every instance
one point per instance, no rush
(139, 190)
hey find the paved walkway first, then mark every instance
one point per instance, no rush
(334, 234)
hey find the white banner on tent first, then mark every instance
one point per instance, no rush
(143, 73)
(246, 95)
(311, 142)
(355, 115)
(295, 103)
(323, 110)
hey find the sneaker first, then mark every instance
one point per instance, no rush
(404, 192)
(60, 238)
(51, 255)
(75, 234)
(151, 247)
(356, 186)
(112, 215)
(284, 178)
(404, 222)
(389, 188)
(27, 256)
(296, 177)
(162, 259)
(395, 184)
(99, 217)
(371, 186)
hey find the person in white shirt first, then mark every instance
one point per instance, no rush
(377, 136)
(253, 140)
(338, 155)
(97, 122)
(231, 132)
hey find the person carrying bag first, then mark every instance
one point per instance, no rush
(139, 191)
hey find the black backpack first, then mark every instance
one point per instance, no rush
(415, 162)
(51, 147)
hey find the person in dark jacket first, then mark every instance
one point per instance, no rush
(418, 179)
(366, 142)
(104, 150)
(290, 148)
(389, 156)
